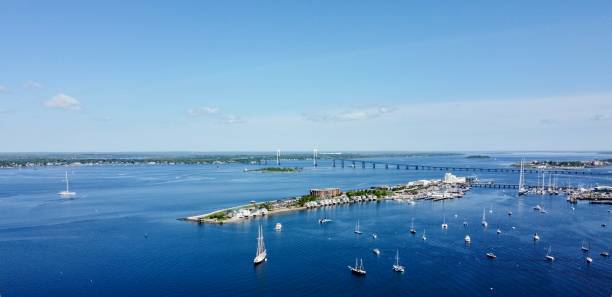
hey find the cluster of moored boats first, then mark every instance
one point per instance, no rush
(359, 269)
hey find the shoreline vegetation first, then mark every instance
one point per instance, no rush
(20, 160)
(572, 164)
(478, 157)
(423, 189)
(275, 169)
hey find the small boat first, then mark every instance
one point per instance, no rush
(424, 236)
(357, 231)
(589, 260)
(444, 224)
(498, 231)
(324, 221)
(549, 257)
(374, 235)
(513, 228)
(465, 223)
(491, 255)
(412, 229)
(603, 225)
(537, 207)
(536, 237)
(456, 216)
(467, 239)
(397, 267)
(491, 209)
(604, 254)
(261, 254)
(358, 269)
(509, 212)
(376, 252)
(484, 218)
(278, 227)
(67, 194)
(584, 246)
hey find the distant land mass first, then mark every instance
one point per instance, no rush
(11, 160)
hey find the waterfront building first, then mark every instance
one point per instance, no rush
(449, 178)
(328, 192)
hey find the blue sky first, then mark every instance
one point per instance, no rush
(297, 75)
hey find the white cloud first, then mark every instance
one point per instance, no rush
(232, 119)
(63, 101)
(599, 117)
(202, 111)
(3, 89)
(350, 115)
(32, 85)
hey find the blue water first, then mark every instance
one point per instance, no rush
(121, 236)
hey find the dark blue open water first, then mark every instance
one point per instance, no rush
(96, 246)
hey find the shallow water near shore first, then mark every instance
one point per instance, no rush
(120, 237)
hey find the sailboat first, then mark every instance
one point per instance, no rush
(484, 218)
(278, 227)
(498, 231)
(467, 239)
(584, 246)
(536, 237)
(424, 236)
(67, 193)
(357, 228)
(358, 269)
(412, 229)
(397, 267)
(549, 257)
(522, 189)
(444, 224)
(261, 248)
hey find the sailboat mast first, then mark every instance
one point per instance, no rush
(67, 186)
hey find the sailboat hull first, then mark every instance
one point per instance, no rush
(260, 258)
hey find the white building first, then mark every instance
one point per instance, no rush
(449, 178)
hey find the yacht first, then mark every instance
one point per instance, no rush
(467, 239)
(509, 212)
(374, 235)
(589, 260)
(498, 231)
(67, 193)
(522, 189)
(537, 207)
(376, 252)
(397, 267)
(278, 227)
(465, 223)
(536, 237)
(412, 229)
(491, 255)
(484, 218)
(261, 254)
(357, 231)
(549, 257)
(604, 254)
(358, 268)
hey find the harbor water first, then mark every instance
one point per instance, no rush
(121, 236)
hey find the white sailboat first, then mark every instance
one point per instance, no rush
(357, 231)
(261, 248)
(358, 269)
(412, 229)
(397, 267)
(424, 236)
(536, 237)
(444, 224)
(67, 193)
(278, 227)
(522, 189)
(584, 246)
(549, 257)
(484, 218)
(467, 239)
